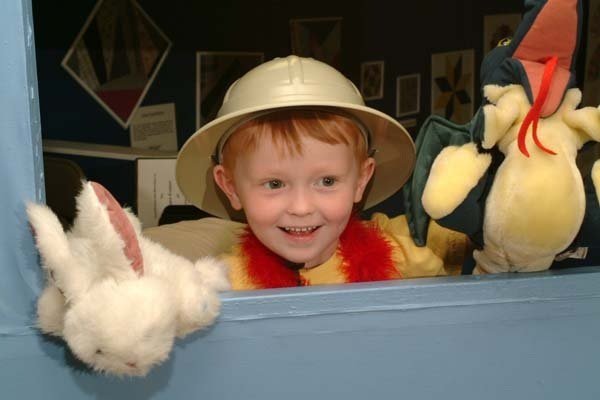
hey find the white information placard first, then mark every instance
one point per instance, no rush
(154, 127)
(156, 189)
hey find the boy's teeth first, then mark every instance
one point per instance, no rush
(303, 229)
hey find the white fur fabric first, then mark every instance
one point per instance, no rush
(111, 318)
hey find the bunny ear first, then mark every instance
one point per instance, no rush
(122, 226)
(56, 252)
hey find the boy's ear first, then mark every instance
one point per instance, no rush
(365, 173)
(225, 181)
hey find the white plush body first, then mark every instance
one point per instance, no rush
(113, 318)
(536, 204)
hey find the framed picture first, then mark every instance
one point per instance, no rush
(116, 56)
(371, 79)
(215, 72)
(497, 27)
(591, 80)
(452, 85)
(319, 38)
(408, 94)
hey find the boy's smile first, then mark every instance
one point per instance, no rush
(298, 205)
(298, 236)
(298, 231)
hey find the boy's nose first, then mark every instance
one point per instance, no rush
(301, 203)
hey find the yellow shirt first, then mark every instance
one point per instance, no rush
(443, 255)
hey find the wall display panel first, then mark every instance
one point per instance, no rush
(215, 72)
(452, 85)
(408, 95)
(319, 38)
(116, 56)
(372, 76)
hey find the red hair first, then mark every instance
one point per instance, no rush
(286, 129)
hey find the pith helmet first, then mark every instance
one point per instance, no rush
(293, 82)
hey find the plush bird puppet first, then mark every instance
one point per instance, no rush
(509, 178)
(117, 298)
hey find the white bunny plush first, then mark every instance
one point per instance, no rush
(117, 298)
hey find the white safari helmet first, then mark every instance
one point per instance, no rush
(292, 82)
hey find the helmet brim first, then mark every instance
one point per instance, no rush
(394, 155)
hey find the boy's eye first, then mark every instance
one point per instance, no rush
(327, 181)
(273, 184)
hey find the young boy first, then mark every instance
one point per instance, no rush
(295, 149)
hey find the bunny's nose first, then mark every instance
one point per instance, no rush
(131, 364)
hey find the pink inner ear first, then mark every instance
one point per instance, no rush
(123, 226)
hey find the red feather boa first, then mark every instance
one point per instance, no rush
(366, 255)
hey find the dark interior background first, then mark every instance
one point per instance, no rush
(402, 33)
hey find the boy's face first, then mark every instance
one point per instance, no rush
(297, 205)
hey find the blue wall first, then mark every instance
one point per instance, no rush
(21, 175)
